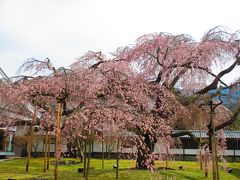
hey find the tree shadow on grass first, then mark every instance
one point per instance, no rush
(181, 174)
(127, 173)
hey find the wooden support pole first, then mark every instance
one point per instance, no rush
(102, 150)
(212, 140)
(49, 149)
(30, 140)
(200, 146)
(206, 163)
(57, 145)
(88, 162)
(45, 151)
(117, 169)
(84, 159)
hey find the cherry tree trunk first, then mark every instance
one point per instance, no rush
(144, 153)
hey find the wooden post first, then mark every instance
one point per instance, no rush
(30, 139)
(200, 146)
(183, 153)
(57, 145)
(237, 147)
(84, 159)
(88, 162)
(102, 150)
(49, 149)
(234, 155)
(206, 163)
(117, 169)
(212, 138)
(206, 169)
(28, 150)
(200, 154)
(166, 157)
(45, 151)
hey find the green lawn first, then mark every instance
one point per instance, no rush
(15, 169)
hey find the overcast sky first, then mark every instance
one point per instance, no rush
(63, 30)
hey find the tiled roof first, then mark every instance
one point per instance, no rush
(204, 134)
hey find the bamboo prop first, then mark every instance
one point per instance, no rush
(30, 140)
(48, 151)
(57, 144)
(45, 151)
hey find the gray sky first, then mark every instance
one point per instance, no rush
(65, 29)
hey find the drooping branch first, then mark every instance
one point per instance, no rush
(189, 66)
(214, 75)
(214, 83)
(182, 133)
(229, 122)
(36, 64)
